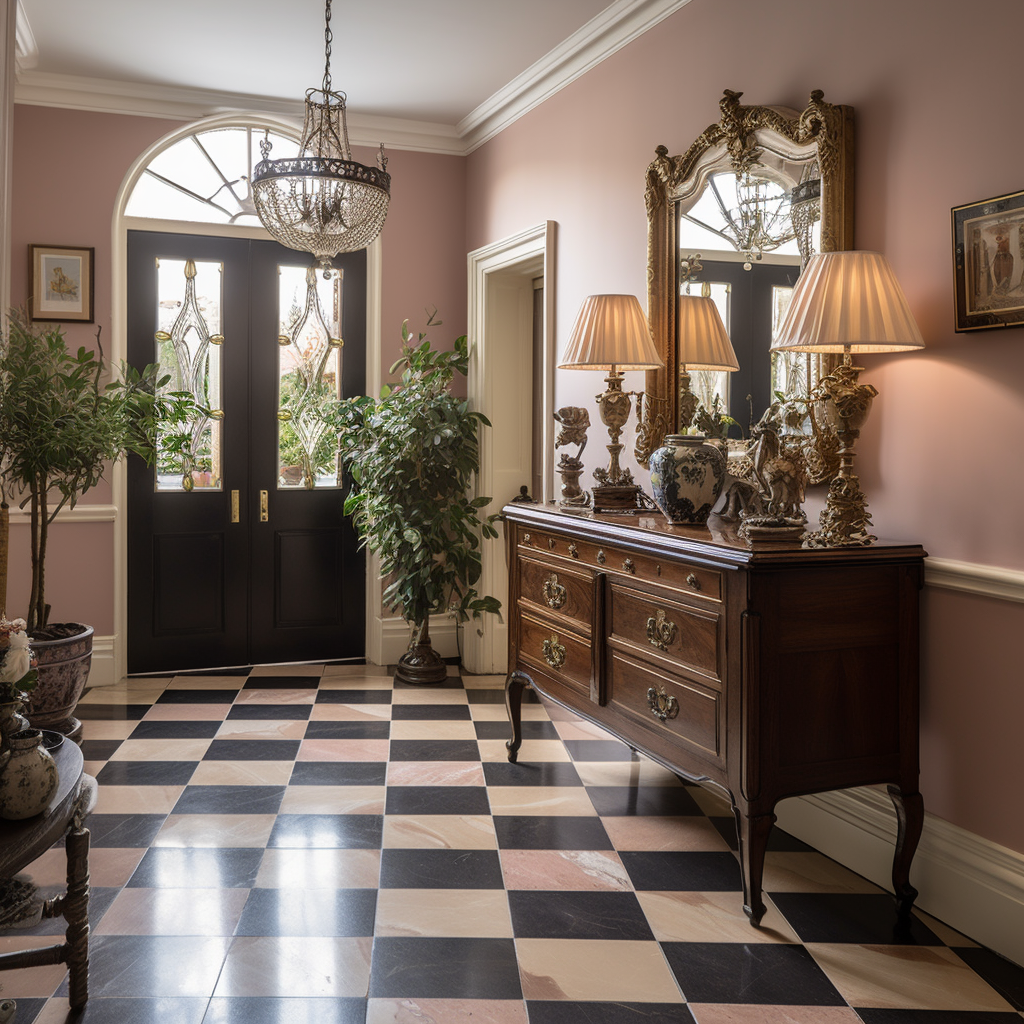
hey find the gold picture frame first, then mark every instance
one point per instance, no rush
(988, 263)
(61, 283)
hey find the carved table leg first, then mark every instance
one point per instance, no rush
(909, 822)
(76, 913)
(752, 833)
(514, 686)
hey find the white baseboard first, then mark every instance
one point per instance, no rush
(102, 671)
(395, 639)
(969, 883)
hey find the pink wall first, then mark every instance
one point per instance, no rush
(936, 455)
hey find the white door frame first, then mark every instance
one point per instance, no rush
(120, 226)
(501, 386)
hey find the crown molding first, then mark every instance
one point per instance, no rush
(26, 52)
(602, 36)
(615, 27)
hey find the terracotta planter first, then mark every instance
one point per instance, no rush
(63, 672)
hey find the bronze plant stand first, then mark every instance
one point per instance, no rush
(421, 665)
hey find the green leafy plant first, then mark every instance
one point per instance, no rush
(413, 454)
(714, 422)
(60, 427)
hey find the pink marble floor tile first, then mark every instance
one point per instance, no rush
(344, 750)
(435, 773)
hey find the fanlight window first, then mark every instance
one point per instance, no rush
(205, 177)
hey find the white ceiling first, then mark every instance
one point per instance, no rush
(448, 64)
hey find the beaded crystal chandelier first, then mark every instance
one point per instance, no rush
(322, 201)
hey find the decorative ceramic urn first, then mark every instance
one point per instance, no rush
(28, 776)
(687, 473)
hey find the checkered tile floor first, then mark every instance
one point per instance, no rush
(324, 846)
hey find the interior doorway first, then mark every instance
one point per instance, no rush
(247, 558)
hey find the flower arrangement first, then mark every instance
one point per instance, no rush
(17, 666)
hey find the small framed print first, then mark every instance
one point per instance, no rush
(988, 263)
(61, 278)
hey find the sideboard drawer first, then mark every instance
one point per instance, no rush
(558, 653)
(655, 625)
(563, 591)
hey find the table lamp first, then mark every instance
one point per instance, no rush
(703, 345)
(611, 333)
(846, 302)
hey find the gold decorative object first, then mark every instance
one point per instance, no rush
(780, 474)
(810, 151)
(611, 333)
(661, 631)
(846, 302)
(663, 705)
(554, 652)
(554, 593)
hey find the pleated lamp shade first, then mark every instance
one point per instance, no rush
(703, 342)
(611, 331)
(848, 302)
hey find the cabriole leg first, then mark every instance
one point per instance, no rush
(909, 822)
(514, 686)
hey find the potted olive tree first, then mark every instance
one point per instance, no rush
(60, 426)
(413, 453)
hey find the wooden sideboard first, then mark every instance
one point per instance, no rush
(760, 669)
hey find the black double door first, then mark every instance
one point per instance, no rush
(253, 569)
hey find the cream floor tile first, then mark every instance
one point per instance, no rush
(446, 1011)
(686, 832)
(439, 831)
(319, 869)
(625, 773)
(580, 730)
(343, 750)
(497, 713)
(241, 773)
(531, 750)
(483, 682)
(98, 729)
(358, 670)
(810, 872)
(429, 695)
(410, 729)
(290, 696)
(595, 969)
(137, 799)
(215, 830)
(540, 800)
(711, 802)
(161, 750)
(109, 867)
(350, 713)
(185, 682)
(443, 913)
(173, 912)
(29, 982)
(435, 773)
(261, 729)
(579, 870)
(909, 977)
(749, 1013)
(948, 935)
(315, 671)
(355, 682)
(135, 693)
(710, 917)
(187, 713)
(283, 966)
(93, 768)
(333, 800)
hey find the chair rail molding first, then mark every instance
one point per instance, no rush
(974, 578)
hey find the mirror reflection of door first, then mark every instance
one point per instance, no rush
(246, 558)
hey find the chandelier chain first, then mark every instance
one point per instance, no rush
(328, 39)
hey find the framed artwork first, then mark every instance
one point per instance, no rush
(988, 263)
(61, 283)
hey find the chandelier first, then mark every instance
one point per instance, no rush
(322, 201)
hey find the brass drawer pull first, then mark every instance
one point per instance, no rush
(663, 705)
(554, 592)
(551, 543)
(526, 538)
(554, 652)
(661, 632)
(573, 550)
(628, 566)
(601, 558)
(692, 581)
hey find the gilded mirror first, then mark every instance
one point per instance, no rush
(773, 186)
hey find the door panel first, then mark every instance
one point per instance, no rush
(204, 591)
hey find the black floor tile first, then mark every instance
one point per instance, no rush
(598, 750)
(778, 840)
(99, 750)
(880, 1016)
(682, 871)
(29, 1009)
(309, 912)
(537, 773)
(440, 869)
(146, 773)
(577, 915)
(271, 712)
(123, 830)
(444, 969)
(503, 731)
(190, 730)
(490, 695)
(252, 750)
(108, 713)
(353, 697)
(764, 973)
(430, 712)
(282, 682)
(230, 800)
(348, 730)
(449, 683)
(666, 801)
(434, 750)
(292, 1010)
(327, 831)
(168, 867)
(197, 697)
(339, 773)
(100, 898)
(1003, 975)
(237, 670)
(866, 918)
(550, 832)
(437, 800)
(561, 1011)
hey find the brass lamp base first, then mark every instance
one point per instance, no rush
(845, 521)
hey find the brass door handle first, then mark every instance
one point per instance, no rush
(554, 652)
(554, 593)
(264, 506)
(234, 507)
(661, 631)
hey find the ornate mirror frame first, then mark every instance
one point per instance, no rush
(823, 131)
